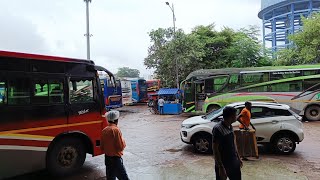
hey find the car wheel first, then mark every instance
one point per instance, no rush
(66, 156)
(203, 144)
(212, 108)
(312, 113)
(284, 144)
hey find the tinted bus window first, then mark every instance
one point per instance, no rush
(3, 97)
(293, 86)
(48, 92)
(19, 91)
(48, 67)
(219, 82)
(284, 75)
(12, 64)
(41, 94)
(308, 83)
(81, 91)
(253, 78)
(56, 94)
(310, 72)
(233, 83)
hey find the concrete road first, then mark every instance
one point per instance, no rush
(155, 151)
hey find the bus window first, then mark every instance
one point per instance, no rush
(293, 86)
(284, 75)
(209, 86)
(19, 91)
(41, 94)
(3, 98)
(110, 82)
(252, 78)
(233, 83)
(81, 91)
(309, 72)
(219, 82)
(102, 85)
(56, 91)
(308, 83)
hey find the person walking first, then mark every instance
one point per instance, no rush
(112, 145)
(227, 160)
(245, 116)
(245, 121)
(161, 104)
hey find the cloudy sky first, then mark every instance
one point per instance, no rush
(119, 27)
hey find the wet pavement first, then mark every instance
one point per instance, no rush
(155, 151)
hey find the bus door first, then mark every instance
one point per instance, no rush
(84, 100)
(189, 95)
(200, 95)
(135, 91)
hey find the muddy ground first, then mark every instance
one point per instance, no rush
(155, 151)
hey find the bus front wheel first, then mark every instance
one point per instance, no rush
(312, 113)
(66, 156)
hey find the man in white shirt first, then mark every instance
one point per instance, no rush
(161, 104)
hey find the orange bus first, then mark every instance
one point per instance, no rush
(51, 113)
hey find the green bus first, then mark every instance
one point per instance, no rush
(298, 86)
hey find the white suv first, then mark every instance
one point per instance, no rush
(275, 124)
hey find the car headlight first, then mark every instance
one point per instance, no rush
(188, 126)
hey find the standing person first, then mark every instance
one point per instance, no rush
(227, 160)
(245, 116)
(112, 144)
(244, 119)
(161, 104)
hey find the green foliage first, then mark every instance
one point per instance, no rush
(128, 72)
(306, 44)
(203, 48)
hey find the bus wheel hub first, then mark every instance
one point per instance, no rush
(67, 156)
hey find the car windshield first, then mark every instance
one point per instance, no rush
(212, 114)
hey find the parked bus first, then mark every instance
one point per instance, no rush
(139, 90)
(126, 92)
(52, 113)
(153, 86)
(297, 86)
(111, 89)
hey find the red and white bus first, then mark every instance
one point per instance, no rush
(51, 113)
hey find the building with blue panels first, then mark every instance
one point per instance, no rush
(283, 17)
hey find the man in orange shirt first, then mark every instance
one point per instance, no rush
(112, 144)
(245, 116)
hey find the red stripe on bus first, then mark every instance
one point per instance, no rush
(40, 57)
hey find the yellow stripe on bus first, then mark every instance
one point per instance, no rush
(48, 127)
(27, 137)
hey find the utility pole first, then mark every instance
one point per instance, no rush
(88, 35)
(174, 37)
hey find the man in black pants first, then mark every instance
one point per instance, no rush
(227, 160)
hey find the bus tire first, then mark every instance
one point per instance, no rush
(66, 156)
(212, 108)
(312, 113)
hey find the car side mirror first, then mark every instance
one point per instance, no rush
(218, 119)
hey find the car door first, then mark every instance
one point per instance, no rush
(265, 121)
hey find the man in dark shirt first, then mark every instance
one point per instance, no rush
(227, 160)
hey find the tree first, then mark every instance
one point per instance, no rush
(306, 44)
(203, 48)
(128, 72)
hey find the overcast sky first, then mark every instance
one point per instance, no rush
(119, 27)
